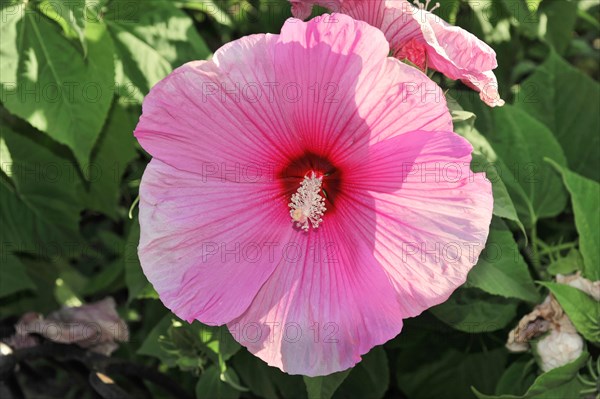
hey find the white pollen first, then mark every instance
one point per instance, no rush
(307, 206)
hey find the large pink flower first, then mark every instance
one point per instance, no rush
(424, 39)
(251, 146)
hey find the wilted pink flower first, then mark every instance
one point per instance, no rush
(95, 325)
(307, 191)
(424, 39)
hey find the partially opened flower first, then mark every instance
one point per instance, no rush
(307, 191)
(424, 39)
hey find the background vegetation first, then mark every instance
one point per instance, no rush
(73, 77)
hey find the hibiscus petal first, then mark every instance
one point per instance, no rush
(433, 213)
(487, 86)
(221, 248)
(207, 245)
(209, 112)
(327, 305)
(340, 113)
(320, 67)
(427, 40)
(460, 55)
(301, 9)
(403, 93)
(424, 39)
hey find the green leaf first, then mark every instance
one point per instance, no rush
(114, 150)
(213, 9)
(501, 269)
(503, 204)
(137, 283)
(151, 39)
(518, 377)
(448, 10)
(484, 160)
(218, 341)
(449, 373)
(567, 102)
(524, 17)
(70, 15)
(43, 274)
(190, 346)
(41, 212)
(368, 379)
(13, 277)
(229, 376)
(585, 196)
(582, 309)
(567, 264)
(493, 26)
(266, 381)
(324, 387)
(47, 82)
(561, 17)
(151, 345)
(473, 311)
(557, 383)
(210, 386)
(522, 143)
(107, 279)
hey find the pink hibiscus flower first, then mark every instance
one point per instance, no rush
(307, 191)
(424, 39)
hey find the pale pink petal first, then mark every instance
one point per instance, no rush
(207, 243)
(301, 9)
(207, 112)
(321, 65)
(460, 55)
(372, 12)
(433, 213)
(327, 304)
(487, 86)
(400, 23)
(308, 302)
(338, 113)
(428, 41)
(402, 93)
(455, 49)
(425, 40)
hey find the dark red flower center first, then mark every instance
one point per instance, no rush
(292, 175)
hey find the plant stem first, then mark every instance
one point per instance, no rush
(534, 253)
(550, 250)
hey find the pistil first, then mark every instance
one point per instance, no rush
(307, 204)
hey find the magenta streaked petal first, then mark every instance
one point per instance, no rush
(301, 9)
(328, 63)
(425, 40)
(433, 214)
(206, 243)
(205, 111)
(224, 172)
(328, 305)
(342, 112)
(405, 94)
(335, 286)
